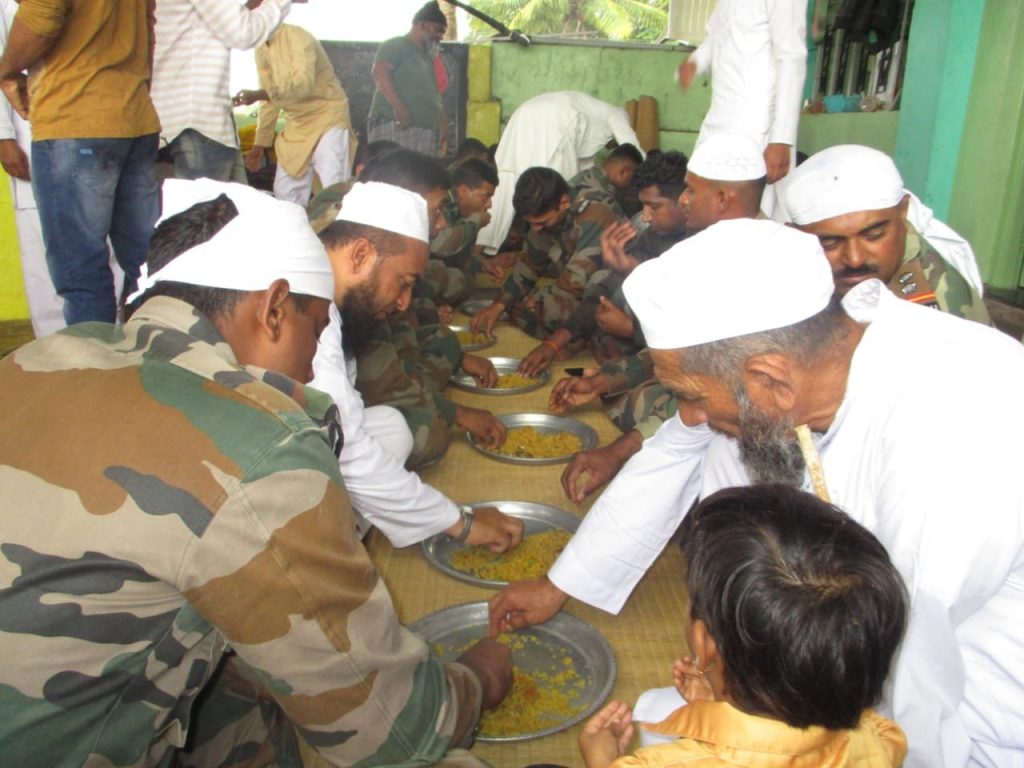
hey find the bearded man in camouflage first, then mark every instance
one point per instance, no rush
(189, 573)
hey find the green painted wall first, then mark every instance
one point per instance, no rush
(944, 37)
(988, 196)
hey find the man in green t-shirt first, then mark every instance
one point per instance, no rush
(407, 106)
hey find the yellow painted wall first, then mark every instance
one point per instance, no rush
(13, 305)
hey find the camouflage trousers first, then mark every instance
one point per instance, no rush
(544, 310)
(606, 346)
(643, 408)
(236, 724)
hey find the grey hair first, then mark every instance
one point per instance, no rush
(805, 341)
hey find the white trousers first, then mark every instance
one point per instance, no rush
(45, 307)
(330, 161)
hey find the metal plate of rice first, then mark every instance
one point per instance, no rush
(536, 518)
(547, 647)
(544, 423)
(488, 341)
(505, 366)
(471, 306)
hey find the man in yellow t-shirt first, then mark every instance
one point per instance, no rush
(94, 139)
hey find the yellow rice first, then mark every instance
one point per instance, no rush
(529, 442)
(467, 338)
(530, 560)
(513, 380)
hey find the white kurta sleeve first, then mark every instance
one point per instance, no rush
(238, 27)
(634, 518)
(622, 131)
(788, 28)
(385, 493)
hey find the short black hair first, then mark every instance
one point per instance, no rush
(470, 147)
(803, 602)
(186, 230)
(665, 170)
(408, 169)
(626, 152)
(538, 191)
(340, 233)
(368, 152)
(472, 173)
(430, 12)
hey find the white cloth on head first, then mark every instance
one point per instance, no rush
(383, 492)
(562, 130)
(850, 178)
(386, 207)
(736, 277)
(891, 462)
(728, 157)
(269, 239)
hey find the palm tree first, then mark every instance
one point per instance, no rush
(614, 19)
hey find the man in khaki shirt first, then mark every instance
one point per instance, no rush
(296, 76)
(94, 139)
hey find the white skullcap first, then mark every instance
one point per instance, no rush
(841, 180)
(386, 207)
(728, 157)
(269, 239)
(738, 276)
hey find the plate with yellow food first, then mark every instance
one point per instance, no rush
(510, 381)
(564, 670)
(472, 341)
(539, 438)
(546, 531)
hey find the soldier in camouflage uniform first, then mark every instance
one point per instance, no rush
(611, 181)
(203, 549)
(563, 244)
(660, 181)
(852, 198)
(324, 207)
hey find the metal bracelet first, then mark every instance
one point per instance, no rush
(467, 525)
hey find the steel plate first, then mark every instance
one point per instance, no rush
(491, 340)
(463, 380)
(542, 422)
(451, 629)
(536, 518)
(471, 306)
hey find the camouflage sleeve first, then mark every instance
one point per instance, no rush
(541, 252)
(956, 296)
(582, 323)
(631, 371)
(643, 408)
(586, 255)
(454, 243)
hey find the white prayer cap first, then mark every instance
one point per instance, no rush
(728, 157)
(841, 180)
(737, 277)
(387, 207)
(269, 239)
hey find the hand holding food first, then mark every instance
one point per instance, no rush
(606, 736)
(484, 320)
(495, 530)
(576, 391)
(524, 604)
(481, 369)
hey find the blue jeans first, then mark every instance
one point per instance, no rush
(197, 156)
(89, 190)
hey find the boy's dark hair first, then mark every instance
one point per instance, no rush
(472, 173)
(538, 191)
(470, 148)
(186, 230)
(408, 169)
(804, 604)
(626, 152)
(340, 233)
(664, 170)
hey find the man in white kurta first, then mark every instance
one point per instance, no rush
(756, 54)
(563, 130)
(46, 308)
(939, 485)
(376, 439)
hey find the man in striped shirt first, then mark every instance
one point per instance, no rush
(191, 71)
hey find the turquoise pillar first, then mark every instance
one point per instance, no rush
(944, 37)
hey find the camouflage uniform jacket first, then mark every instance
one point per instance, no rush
(323, 208)
(593, 185)
(209, 511)
(571, 254)
(924, 277)
(455, 243)
(407, 367)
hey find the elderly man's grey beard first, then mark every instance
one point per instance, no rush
(769, 448)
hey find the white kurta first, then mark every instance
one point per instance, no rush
(562, 130)
(756, 53)
(923, 452)
(382, 490)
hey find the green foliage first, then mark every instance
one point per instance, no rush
(609, 19)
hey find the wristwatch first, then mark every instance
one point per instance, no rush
(467, 525)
